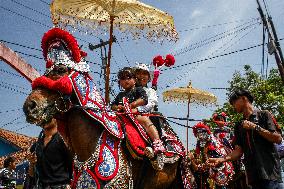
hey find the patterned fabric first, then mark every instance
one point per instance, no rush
(187, 175)
(92, 102)
(101, 167)
(213, 148)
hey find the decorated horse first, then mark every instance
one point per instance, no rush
(208, 146)
(108, 148)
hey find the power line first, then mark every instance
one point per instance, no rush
(221, 24)
(5, 83)
(219, 88)
(27, 7)
(14, 110)
(266, 7)
(123, 53)
(44, 2)
(213, 57)
(10, 73)
(209, 58)
(13, 43)
(35, 21)
(22, 127)
(231, 40)
(11, 122)
(30, 55)
(12, 89)
(212, 39)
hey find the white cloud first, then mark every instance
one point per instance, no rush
(195, 13)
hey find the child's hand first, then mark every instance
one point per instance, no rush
(120, 108)
(134, 111)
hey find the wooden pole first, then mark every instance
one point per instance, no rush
(187, 121)
(18, 63)
(274, 39)
(108, 62)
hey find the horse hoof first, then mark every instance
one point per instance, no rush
(149, 152)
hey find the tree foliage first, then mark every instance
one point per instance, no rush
(268, 92)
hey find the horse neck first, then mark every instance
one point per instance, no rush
(84, 133)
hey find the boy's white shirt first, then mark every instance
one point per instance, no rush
(152, 101)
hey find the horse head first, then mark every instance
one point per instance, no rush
(49, 98)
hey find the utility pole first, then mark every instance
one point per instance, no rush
(273, 44)
(104, 58)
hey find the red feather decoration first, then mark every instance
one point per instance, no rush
(170, 60)
(61, 35)
(158, 61)
(63, 84)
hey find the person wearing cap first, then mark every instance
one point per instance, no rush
(255, 136)
(137, 97)
(143, 77)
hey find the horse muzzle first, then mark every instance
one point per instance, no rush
(36, 114)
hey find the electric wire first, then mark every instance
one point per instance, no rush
(12, 89)
(214, 57)
(220, 24)
(123, 53)
(182, 74)
(10, 73)
(38, 22)
(5, 83)
(14, 110)
(28, 18)
(44, 2)
(27, 7)
(11, 122)
(212, 39)
(17, 44)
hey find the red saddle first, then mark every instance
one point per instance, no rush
(137, 139)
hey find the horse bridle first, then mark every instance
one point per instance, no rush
(66, 101)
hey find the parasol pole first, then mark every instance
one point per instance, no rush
(107, 77)
(187, 121)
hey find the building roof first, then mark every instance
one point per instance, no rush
(23, 142)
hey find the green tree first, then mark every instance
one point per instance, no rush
(268, 92)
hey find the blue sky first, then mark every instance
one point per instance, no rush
(206, 28)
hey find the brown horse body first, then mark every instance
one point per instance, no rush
(82, 134)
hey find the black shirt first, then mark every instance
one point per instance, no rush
(260, 156)
(54, 161)
(132, 95)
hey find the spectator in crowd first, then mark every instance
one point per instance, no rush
(8, 174)
(255, 137)
(50, 160)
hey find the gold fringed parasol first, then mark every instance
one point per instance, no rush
(189, 95)
(129, 16)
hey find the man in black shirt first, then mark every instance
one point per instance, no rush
(255, 137)
(52, 159)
